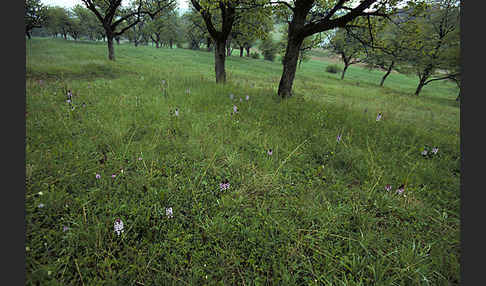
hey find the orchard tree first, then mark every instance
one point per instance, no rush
(435, 55)
(109, 14)
(75, 27)
(35, 15)
(309, 17)
(386, 41)
(164, 28)
(90, 26)
(227, 11)
(244, 32)
(348, 47)
(195, 30)
(57, 21)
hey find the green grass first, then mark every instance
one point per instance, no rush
(314, 213)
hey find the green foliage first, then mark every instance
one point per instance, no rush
(58, 21)
(346, 45)
(314, 212)
(269, 49)
(194, 30)
(333, 69)
(244, 33)
(435, 43)
(34, 15)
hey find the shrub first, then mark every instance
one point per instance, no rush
(255, 55)
(333, 69)
(269, 49)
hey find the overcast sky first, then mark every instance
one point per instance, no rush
(71, 3)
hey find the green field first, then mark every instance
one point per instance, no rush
(315, 212)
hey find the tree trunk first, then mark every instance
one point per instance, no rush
(28, 34)
(387, 73)
(171, 43)
(111, 50)
(117, 40)
(289, 67)
(346, 65)
(241, 52)
(247, 51)
(228, 46)
(208, 43)
(219, 59)
(420, 85)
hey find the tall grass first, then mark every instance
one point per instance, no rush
(315, 212)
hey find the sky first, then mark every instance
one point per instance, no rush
(71, 3)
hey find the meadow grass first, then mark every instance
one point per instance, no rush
(315, 212)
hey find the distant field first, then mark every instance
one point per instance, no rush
(313, 211)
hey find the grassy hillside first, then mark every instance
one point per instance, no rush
(314, 212)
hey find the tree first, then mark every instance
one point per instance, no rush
(227, 12)
(35, 15)
(386, 40)
(90, 26)
(308, 17)
(347, 46)
(195, 30)
(57, 21)
(436, 53)
(108, 13)
(244, 33)
(164, 29)
(75, 26)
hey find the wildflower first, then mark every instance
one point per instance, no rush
(247, 97)
(98, 176)
(177, 112)
(224, 185)
(231, 96)
(424, 153)
(388, 187)
(338, 138)
(269, 152)
(163, 82)
(113, 176)
(168, 212)
(139, 158)
(435, 150)
(69, 95)
(235, 109)
(65, 228)
(188, 91)
(41, 205)
(401, 189)
(241, 100)
(118, 226)
(121, 171)
(378, 117)
(68, 101)
(40, 193)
